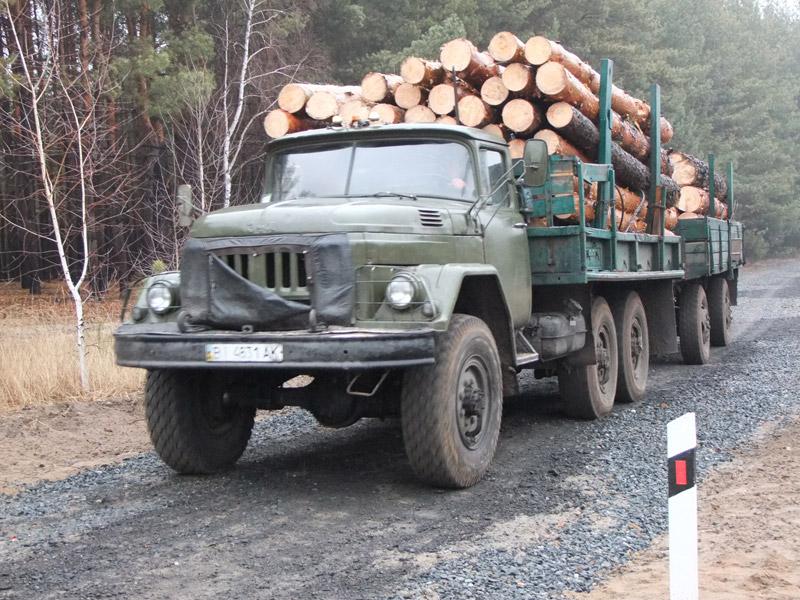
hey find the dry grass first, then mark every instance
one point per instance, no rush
(38, 361)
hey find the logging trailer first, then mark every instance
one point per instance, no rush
(395, 268)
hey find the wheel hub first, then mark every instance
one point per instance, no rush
(705, 322)
(637, 344)
(603, 354)
(471, 402)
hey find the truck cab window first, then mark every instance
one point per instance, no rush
(494, 171)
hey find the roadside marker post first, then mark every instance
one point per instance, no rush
(681, 446)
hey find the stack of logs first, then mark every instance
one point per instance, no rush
(517, 91)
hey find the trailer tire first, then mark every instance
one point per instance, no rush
(634, 348)
(719, 306)
(451, 410)
(694, 325)
(192, 429)
(588, 390)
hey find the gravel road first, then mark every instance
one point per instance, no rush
(315, 513)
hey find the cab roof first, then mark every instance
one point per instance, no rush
(404, 130)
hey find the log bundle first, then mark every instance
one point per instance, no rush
(514, 91)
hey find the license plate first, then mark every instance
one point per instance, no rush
(249, 353)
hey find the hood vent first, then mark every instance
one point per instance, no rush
(430, 218)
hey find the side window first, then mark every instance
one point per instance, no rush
(494, 171)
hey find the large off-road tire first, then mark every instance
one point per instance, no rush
(588, 391)
(634, 348)
(192, 428)
(719, 307)
(451, 410)
(694, 325)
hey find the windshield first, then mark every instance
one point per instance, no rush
(408, 169)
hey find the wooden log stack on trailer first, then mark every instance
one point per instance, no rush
(515, 90)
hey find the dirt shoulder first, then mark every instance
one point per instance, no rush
(748, 521)
(55, 441)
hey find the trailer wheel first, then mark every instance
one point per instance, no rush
(588, 391)
(719, 305)
(694, 325)
(192, 428)
(451, 410)
(634, 348)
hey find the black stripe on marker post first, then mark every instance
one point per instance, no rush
(681, 472)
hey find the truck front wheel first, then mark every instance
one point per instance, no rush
(193, 429)
(588, 390)
(451, 410)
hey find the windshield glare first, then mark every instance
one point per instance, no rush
(427, 168)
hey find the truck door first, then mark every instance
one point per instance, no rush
(505, 242)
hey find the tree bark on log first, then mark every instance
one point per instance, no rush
(408, 95)
(505, 47)
(421, 72)
(539, 50)
(558, 145)
(522, 117)
(443, 97)
(690, 170)
(494, 92)
(420, 114)
(559, 85)
(578, 129)
(520, 80)
(324, 104)
(378, 87)
(472, 66)
(389, 114)
(474, 112)
(279, 122)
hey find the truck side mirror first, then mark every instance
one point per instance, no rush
(185, 206)
(536, 163)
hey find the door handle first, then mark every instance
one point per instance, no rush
(520, 225)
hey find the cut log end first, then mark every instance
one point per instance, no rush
(418, 71)
(521, 116)
(442, 99)
(407, 95)
(557, 144)
(496, 130)
(446, 120)
(457, 54)
(279, 122)
(520, 79)
(353, 111)
(474, 112)
(292, 98)
(505, 47)
(378, 87)
(324, 105)
(388, 113)
(559, 115)
(420, 114)
(494, 92)
(516, 148)
(551, 78)
(538, 50)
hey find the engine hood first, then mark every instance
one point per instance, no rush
(315, 215)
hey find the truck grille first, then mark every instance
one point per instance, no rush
(281, 272)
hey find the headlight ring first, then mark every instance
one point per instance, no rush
(161, 297)
(401, 291)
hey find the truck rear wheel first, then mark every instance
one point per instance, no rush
(719, 306)
(451, 410)
(634, 348)
(694, 325)
(588, 391)
(192, 428)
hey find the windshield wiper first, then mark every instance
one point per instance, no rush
(393, 195)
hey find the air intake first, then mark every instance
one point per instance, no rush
(430, 218)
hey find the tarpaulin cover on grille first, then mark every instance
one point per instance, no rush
(214, 294)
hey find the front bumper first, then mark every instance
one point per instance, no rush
(163, 346)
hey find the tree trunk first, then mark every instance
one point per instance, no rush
(420, 114)
(377, 87)
(500, 131)
(539, 50)
(494, 92)
(442, 98)
(505, 48)
(421, 72)
(324, 104)
(690, 170)
(389, 113)
(558, 145)
(578, 129)
(520, 80)
(474, 112)
(408, 95)
(522, 117)
(559, 85)
(696, 200)
(470, 65)
(293, 96)
(278, 123)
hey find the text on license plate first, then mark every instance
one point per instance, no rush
(244, 353)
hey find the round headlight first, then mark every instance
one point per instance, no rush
(400, 292)
(160, 297)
